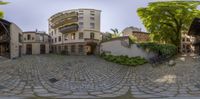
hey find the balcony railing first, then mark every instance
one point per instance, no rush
(64, 18)
(64, 21)
(4, 38)
(69, 28)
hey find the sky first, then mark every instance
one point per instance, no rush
(30, 15)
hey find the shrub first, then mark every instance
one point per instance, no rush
(167, 50)
(124, 60)
(64, 52)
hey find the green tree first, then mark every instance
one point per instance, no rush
(167, 20)
(115, 33)
(1, 12)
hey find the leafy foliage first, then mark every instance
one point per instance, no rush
(2, 3)
(167, 20)
(133, 39)
(125, 60)
(167, 50)
(115, 33)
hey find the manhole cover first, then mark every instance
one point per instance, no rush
(197, 86)
(2, 87)
(53, 80)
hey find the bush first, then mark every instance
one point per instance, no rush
(64, 52)
(124, 60)
(167, 50)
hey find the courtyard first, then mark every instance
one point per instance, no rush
(58, 76)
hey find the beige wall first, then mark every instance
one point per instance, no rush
(14, 43)
(116, 48)
(35, 48)
(36, 42)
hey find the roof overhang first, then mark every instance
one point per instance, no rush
(195, 27)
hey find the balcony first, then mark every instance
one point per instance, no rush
(69, 28)
(4, 38)
(63, 19)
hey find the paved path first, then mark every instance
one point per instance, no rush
(91, 77)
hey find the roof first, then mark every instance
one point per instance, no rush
(118, 38)
(140, 32)
(195, 27)
(5, 21)
(37, 32)
(61, 12)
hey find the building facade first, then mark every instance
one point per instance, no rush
(75, 32)
(35, 42)
(136, 32)
(10, 39)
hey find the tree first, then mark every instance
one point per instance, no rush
(167, 20)
(1, 12)
(115, 33)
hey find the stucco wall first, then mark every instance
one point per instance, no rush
(115, 48)
(14, 42)
(35, 48)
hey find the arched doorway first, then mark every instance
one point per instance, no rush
(91, 48)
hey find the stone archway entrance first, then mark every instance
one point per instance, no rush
(91, 48)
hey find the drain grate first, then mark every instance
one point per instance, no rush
(53, 80)
(2, 87)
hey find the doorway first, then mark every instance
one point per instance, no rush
(91, 48)
(20, 51)
(42, 49)
(28, 49)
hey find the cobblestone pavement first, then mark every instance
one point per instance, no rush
(91, 77)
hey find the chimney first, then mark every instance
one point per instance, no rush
(36, 30)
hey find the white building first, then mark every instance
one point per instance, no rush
(75, 31)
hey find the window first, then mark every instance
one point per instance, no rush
(55, 40)
(91, 11)
(80, 10)
(91, 35)
(73, 36)
(52, 33)
(188, 39)
(92, 18)
(80, 48)
(32, 38)
(183, 39)
(92, 14)
(24, 39)
(92, 26)
(29, 37)
(80, 18)
(81, 25)
(72, 48)
(52, 40)
(20, 38)
(80, 13)
(41, 38)
(81, 35)
(59, 38)
(66, 37)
